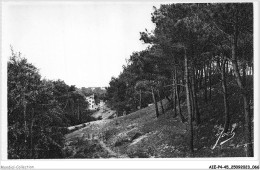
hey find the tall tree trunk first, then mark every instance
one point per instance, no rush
(210, 74)
(194, 93)
(177, 89)
(183, 87)
(201, 78)
(198, 79)
(224, 88)
(248, 135)
(140, 99)
(188, 101)
(228, 71)
(161, 103)
(174, 92)
(175, 104)
(192, 101)
(205, 84)
(155, 104)
(244, 74)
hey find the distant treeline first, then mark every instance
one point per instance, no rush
(93, 90)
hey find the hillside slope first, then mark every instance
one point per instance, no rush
(142, 135)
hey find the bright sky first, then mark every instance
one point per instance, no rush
(82, 43)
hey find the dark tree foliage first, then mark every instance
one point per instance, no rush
(192, 48)
(38, 111)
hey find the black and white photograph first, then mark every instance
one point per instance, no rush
(129, 84)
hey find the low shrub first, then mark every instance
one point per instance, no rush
(109, 133)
